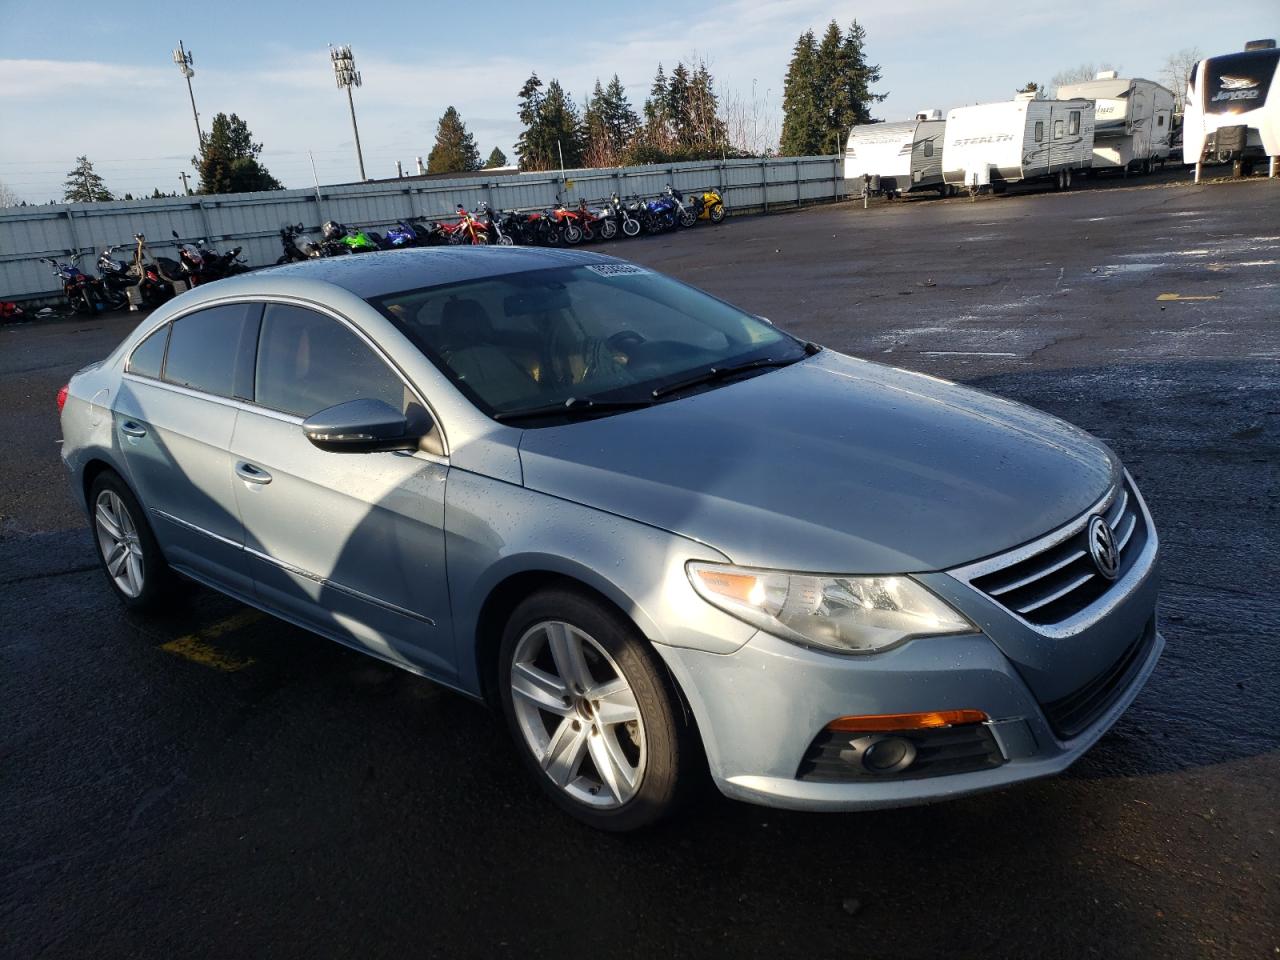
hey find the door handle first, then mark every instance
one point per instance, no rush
(131, 429)
(251, 474)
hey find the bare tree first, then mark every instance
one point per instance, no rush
(1086, 71)
(1177, 71)
(7, 197)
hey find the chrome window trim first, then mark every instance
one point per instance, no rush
(212, 398)
(1103, 605)
(297, 571)
(265, 298)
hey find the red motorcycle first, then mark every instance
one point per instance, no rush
(468, 229)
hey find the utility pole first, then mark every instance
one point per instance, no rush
(185, 187)
(344, 71)
(182, 57)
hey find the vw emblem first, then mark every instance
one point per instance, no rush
(1102, 547)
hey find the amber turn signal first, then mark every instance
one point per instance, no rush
(905, 721)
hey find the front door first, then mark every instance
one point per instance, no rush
(349, 544)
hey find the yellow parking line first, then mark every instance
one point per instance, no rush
(193, 647)
(1180, 296)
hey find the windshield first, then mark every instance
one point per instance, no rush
(605, 332)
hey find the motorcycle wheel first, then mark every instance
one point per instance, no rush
(608, 229)
(455, 238)
(688, 219)
(81, 303)
(572, 234)
(506, 241)
(717, 213)
(631, 227)
(588, 233)
(283, 259)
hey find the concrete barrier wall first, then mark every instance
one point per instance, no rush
(253, 220)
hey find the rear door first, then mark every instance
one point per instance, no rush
(173, 420)
(349, 544)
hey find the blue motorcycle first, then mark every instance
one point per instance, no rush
(663, 214)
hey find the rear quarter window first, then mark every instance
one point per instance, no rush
(147, 358)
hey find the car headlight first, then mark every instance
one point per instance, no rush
(843, 614)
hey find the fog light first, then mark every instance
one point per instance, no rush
(889, 755)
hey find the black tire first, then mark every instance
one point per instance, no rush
(572, 234)
(158, 581)
(631, 227)
(717, 213)
(673, 758)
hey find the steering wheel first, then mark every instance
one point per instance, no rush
(624, 339)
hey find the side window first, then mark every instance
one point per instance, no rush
(148, 356)
(308, 362)
(1074, 126)
(1057, 129)
(928, 148)
(1039, 131)
(207, 350)
(1160, 120)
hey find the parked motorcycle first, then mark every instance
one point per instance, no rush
(596, 222)
(621, 215)
(710, 206)
(660, 214)
(202, 264)
(297, 246)
(159, 278)
(86, 294)
(685, 214)
(404, 234)
(494, 222)
(340, 239)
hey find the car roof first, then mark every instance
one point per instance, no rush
(391, 271)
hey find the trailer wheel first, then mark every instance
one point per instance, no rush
(1066, 179)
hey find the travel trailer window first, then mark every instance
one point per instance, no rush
(1074, 126)
(1160, 120)
(1057, 129)
(1039, 131)
(928, 148)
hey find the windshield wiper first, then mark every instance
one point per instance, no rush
(572, 407)
(712, 374)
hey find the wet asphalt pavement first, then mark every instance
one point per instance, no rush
(219, 784)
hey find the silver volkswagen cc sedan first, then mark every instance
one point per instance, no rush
(662, 535)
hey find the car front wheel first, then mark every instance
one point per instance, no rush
(595, 716)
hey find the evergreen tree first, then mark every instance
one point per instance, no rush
(657, 126)
(531, 148)
(83, 185)
(802, 121)
(852, 106)
(677, 106)
(597, 147)
(563, 127)
(707, 130)
(496, 159)
(553, 127)
(619, 117)
(455, 149)
(228, 160)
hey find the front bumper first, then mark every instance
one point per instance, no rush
(759, 709)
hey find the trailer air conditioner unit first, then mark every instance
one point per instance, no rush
(1260, 45)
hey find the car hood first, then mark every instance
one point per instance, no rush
(831, 465)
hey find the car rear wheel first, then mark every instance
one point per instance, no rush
(127, 548)
(594, 715)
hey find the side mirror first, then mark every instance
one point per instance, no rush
(361, 426)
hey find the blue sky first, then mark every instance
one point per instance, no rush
(98, 78)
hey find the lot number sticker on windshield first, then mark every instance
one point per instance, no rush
(616, 269)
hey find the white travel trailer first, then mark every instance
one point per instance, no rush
(1133, 121)
(896, 158)
(1232, 113)
(995, 144)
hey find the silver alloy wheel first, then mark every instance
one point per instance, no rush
(578, 714)
(119, 542)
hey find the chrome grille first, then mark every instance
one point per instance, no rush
(1056, 583)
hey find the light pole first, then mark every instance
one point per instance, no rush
(345, 72)
(182, 57)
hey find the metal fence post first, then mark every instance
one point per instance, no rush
(764, 182)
